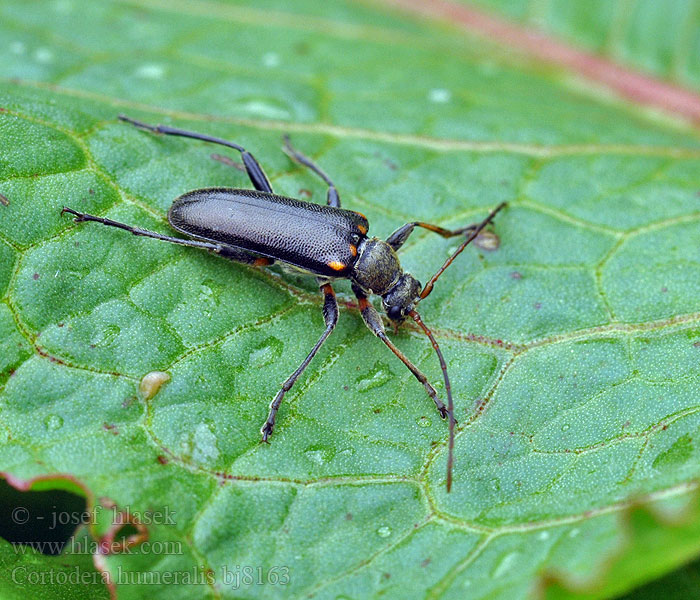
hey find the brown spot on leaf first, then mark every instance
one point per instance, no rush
(110, 427)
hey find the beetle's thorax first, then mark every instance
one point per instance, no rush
(377, 268)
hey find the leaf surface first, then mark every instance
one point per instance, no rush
(573, 348)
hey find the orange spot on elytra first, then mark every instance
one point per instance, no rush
(336, 266)
(353, 250)
(362, 229)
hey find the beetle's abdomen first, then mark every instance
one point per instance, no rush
(320, 239)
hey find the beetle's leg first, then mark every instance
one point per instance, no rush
(471, 236)
(332, 198)
(252, 167)
(397, 239)
(330, 316)
(79, 217)
(229, 252)
(374, 322)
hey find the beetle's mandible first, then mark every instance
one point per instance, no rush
(258, 227)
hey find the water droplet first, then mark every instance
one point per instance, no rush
(377, 376)
(271, 59)
(17, 48)
(265, 353)
(466, 583)
(105, 336)
(43, 55)
(201, 445)
(319, 455)
(543, 535)
(210, 292)
(63, 6)
(439, 95)
(495, 484)
(53, 422)
(150, 71)
(574, 532)
(264, 108)
(506, 564)
(151, 383)
(384, 531)
(423, 422)
(565, 427)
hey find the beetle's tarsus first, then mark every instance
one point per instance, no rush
(78, 216)
(266, 432)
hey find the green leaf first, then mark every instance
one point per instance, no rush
(659, 37)
(573, 347)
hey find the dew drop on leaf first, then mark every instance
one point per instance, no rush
(53, 422)
(319, 455)
(377, 376)
(267, 352)
(202, 445)
(439, 95)
(423, 422)
(384, 531)
(565, 427)
(505, 564)
(105, 336)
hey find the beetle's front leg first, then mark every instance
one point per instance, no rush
(374, 322)
(397, 239)
(330, 316)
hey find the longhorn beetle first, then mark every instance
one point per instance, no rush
(258, 227)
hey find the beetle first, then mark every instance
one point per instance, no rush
(258, 227)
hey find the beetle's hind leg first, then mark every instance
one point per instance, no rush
(252, 166)
(330, 316)
(80, 217)
(223, 250)
(332, 198)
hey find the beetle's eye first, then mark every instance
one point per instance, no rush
(394, 313)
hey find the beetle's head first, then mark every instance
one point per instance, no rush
(401, 298)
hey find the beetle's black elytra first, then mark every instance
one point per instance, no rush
(259, 228)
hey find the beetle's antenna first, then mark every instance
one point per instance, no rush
(470, 238)
(448, 390)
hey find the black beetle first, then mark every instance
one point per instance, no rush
(258, 227)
